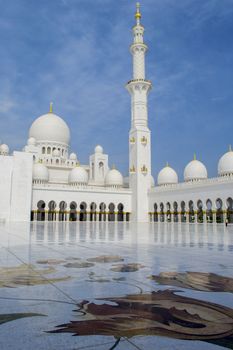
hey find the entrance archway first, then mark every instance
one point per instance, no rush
(62, 211)
(219, 211)
(83, 211)
(120, 213)
(230, 210)
(102, 213)
(73, 211)
(51, 212)
(200, 211)
(209, 211)
(41, 211)
(111, 212)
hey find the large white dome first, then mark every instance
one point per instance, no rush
(40, 172)
(50, 127)
(195, 170)
(167, 176)
(114, 178)
(225, 164)
(78, 175)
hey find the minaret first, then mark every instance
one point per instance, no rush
(139, 135)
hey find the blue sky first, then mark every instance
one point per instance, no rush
(76, 54)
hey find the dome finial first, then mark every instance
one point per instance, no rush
(194, 156)
(113, 166)
(138, 14)
(230, 148)
(51, 107)
(167, 164)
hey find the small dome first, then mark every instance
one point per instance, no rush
(152, 181)
(56, 153)
(114, 178)
(78, 175)
(225, 164)
(195, 170)
(40, 172)
(167, 176)
(51, 128)
(4, 149)
(99, 149)
(73, 156)
(31, 141)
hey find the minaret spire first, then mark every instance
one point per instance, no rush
(140, 148)
(138, 13)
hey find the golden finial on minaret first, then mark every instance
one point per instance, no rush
(51, 107)
(167, 164)
(138, 13)
(194, 156)
(230, 148)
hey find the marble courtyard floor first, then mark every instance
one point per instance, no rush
(116, 286)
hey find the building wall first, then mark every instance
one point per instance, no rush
(21, 187)
(49, 192)
(213, 189)
(6, 169)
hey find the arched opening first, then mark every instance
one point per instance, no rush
(83, 211)
(62, 211)
(183, 212)
(175, 212)
(43, 150)
(57, 161)
(199, 211)
(209, 211)
(41, 211)
(120, 213)
(93, 170)
(219, 211)
(191, 212)
(111, 212)
(51, 212)
(73, 211)
(168, 213)
(101, 169)
(93, 211)
(49, 150)
(102, 213)
(161, 212)
(230, 210)
(155, 218)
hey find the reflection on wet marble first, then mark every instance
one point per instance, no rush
(102, 282)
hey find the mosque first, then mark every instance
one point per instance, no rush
(45, 182)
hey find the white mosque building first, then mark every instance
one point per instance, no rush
(44, 182)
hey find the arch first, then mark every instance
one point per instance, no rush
(57, 161)
(183, 212)
(229, 204)
(93, 170)
(200, 213)
(175, 212)
(219, 211)
(209, 211)
(168, 212)
(52, 212)
(41, 211)
(62, 211)
(120, 213)
(83, 211)
(111, 212)
(73, 211)
(93, 207)
(102, 212)
(101, 169)
(191, 212)
(155, 216)
(43, 150)
(48, 150)
(161, 212)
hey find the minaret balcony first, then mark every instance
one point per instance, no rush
(139, 81)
